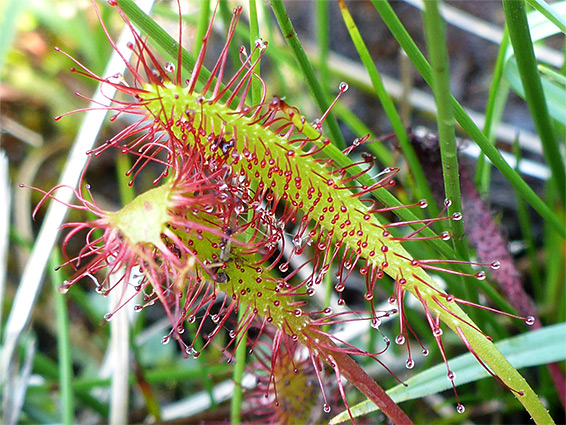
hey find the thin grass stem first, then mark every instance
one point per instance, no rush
(522, 43)
(254, 35)
(322, 17)
(306, 69)
(65, 360)
(203, 19)
(435, 30)
(549, 13)
(498, 91)
(238, 374)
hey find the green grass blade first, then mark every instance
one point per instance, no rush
(498, 93)
(306, 69)
(422, 189)
(381, 152)
(65, 360)
(323, 41)
(529, 349)
(11, 11)
(238, 374)
(548, 11)
(202, 26)
(520, 37)
(419, 61)
(254, 35)
(560, 78)
(240, 356)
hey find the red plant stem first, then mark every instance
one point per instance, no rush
(357, 376)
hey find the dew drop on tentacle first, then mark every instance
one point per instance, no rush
(260, 44)
(410, 363)
(343, 87)
(400, 339)
(457, 216)
(326, 408)
(530, 320)
(460, 408)
(375, 323)
(480, 275)
(165, 340)
(495, 265)
(445, 236)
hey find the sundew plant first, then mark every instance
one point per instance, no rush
(307, 270)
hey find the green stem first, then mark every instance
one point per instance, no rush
(254, 35)
(240, 356)
(435, 30)
(520, 37)
(307, 71)
(127, 193)
(323, 41)
(204, 14)
(239, 368)
(404, 39)
(63, 345)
